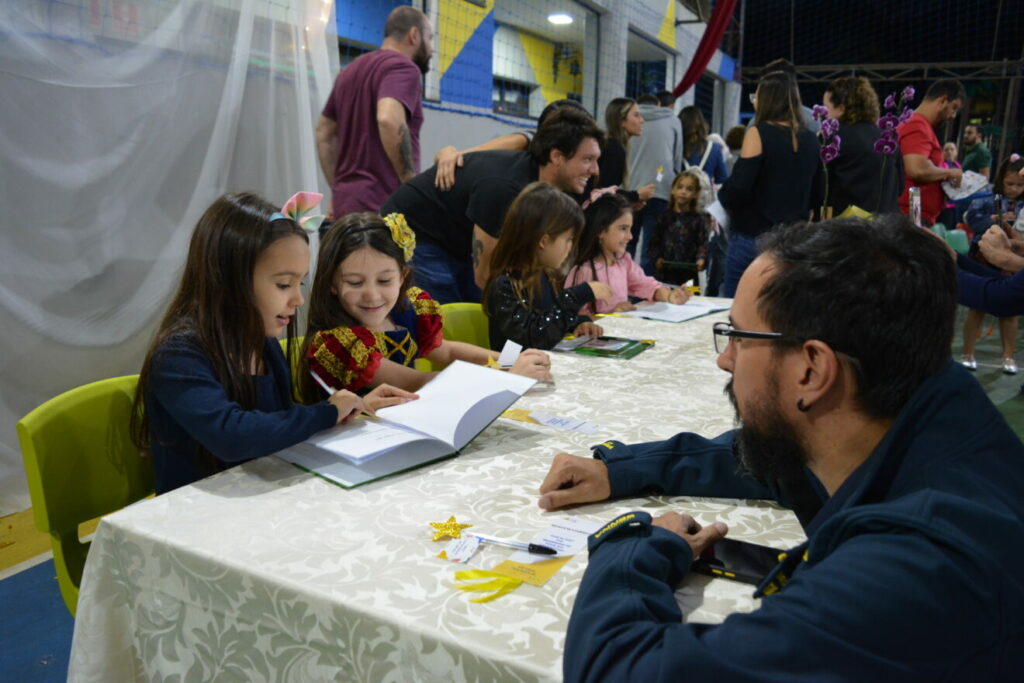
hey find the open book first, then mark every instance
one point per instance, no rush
(675, 313)
(452, 409)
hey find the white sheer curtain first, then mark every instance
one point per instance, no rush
(120, 122)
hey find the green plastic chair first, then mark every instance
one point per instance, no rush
(466, 322)
(81, 464)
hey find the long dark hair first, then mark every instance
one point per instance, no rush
(539, 210)
(695, 130)
(601, 213)
(1008, 166)
(215, 305)
(778, 101)
(614, 116)
(345, 236)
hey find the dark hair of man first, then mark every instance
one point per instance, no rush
(779, 102)
(615, 115)
(647, 98)
(555, 106)
(950, 87)
(601, 213)
(401, 20)
(563, 130)
(734, 137)
(976, 127)
(881, 291)
(665, 98)
(540, 209)
(857, 96)
(695, 130)
(215, 305)
(1004, 169)
(345, 236)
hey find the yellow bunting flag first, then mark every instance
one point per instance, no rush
(487, 581)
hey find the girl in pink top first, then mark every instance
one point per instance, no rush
(602, 256)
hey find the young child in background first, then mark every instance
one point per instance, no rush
(1008, 188)
(602, 256)
(215, 389)
(681, 233)
(367, 325)
(523, 296)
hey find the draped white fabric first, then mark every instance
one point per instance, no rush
(120, 123)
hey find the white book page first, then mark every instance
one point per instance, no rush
(449, 399)
(674, 313)
(363, 438)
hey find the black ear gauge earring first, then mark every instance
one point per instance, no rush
(801, 407)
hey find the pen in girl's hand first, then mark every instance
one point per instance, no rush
(316, 378)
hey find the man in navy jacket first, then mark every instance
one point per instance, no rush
(839, 350)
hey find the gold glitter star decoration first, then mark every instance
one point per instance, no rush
(450, 528)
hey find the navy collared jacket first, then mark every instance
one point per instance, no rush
(913, 570)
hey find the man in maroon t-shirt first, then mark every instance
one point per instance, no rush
(922, 153)
(368, 135)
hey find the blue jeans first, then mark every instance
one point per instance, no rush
(643, 225)
(443, 276)
(742, 250)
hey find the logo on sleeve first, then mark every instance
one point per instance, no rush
(614, 523)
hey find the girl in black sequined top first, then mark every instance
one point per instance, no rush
(523, 296)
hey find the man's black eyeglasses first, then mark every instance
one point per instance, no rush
(723, 332)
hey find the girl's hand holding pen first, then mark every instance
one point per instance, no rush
(348, 404)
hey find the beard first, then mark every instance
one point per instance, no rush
(422, 59)
(767, 445)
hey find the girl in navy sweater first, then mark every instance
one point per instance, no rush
(215, 389)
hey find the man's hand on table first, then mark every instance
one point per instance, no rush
(573, 480)
(699, 538)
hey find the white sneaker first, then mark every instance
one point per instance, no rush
(967, 360)
(1010, 366)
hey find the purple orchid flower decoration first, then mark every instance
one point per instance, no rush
(905, 116)
(885, 146)
(890, 101)
(829, 127)
(819, 113)
(907, 94)
(888, 122)
(829, 153)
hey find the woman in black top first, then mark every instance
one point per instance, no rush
(860, 175)
(623, 120)
(778, 177)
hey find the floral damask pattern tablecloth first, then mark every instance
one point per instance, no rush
(267, 573)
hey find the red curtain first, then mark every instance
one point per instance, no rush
(709, 42)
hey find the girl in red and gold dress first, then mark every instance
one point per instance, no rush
(367, 325)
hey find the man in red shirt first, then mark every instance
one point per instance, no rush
(368, 135)
(922, 152)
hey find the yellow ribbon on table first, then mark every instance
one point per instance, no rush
(498, 583)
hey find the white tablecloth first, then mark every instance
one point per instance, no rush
(267, 573)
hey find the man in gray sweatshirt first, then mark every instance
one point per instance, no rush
(656, 157)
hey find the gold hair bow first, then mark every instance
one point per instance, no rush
(401, 233)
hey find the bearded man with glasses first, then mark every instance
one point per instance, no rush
(851, 412)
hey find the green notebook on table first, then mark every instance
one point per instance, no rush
(608, 347)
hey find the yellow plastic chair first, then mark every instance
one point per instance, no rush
(81, 464)
(466, 322)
